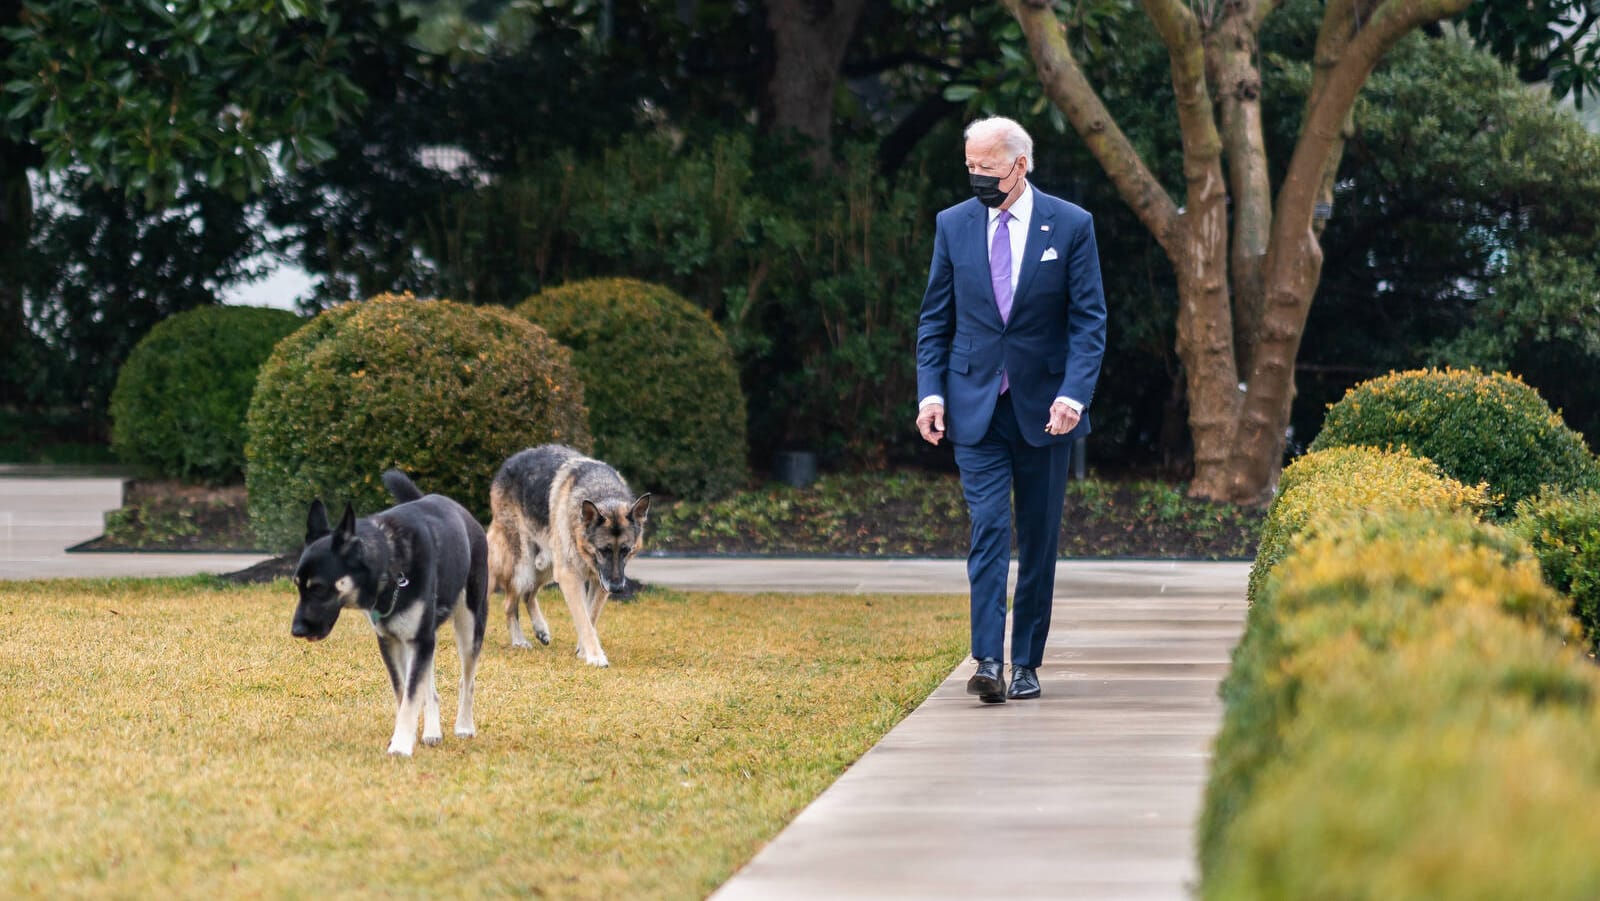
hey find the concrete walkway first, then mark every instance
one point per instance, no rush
(1092, 791)
(1089, 792)
(44, 512)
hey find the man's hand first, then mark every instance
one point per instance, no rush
(1062, 419)
(930, 422)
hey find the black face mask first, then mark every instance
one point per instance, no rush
(987, 187)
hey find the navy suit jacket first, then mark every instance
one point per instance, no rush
(1051, 346)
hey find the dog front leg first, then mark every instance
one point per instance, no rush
(417, 674)
(576, 591)
(394, 660)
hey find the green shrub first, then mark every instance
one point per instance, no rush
(1564, 530)
(1371, 579)
(443, 391)
(180, 399)
(1490, 428)
(1351, 482)
(1432, 767)
(660, 381)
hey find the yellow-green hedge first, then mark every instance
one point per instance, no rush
(1457, 760)
(446, 392)
(1374, 581)
(1334, 485)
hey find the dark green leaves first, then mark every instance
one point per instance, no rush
(148, 95)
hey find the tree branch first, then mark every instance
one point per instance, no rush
(1071, 92)
(1330, 108)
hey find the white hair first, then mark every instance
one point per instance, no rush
(1013, 138)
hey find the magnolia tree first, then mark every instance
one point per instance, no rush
(1247, 257)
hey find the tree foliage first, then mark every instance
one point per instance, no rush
(148, 96)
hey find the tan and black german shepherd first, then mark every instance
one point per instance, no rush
(561, 516)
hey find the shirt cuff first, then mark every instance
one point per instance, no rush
(1070, 402)
(930, 399)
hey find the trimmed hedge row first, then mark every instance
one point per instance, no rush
(1479, 427)
(445, 392)
(1343, 482)
(1409, 710)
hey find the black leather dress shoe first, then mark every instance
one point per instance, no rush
(986, 683)
(1024, 683)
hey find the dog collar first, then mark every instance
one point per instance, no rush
(400, 582)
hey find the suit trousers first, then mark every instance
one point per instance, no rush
(997, 469)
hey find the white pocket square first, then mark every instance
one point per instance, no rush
(1049, 254)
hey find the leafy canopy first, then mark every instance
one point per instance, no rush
(148, 95)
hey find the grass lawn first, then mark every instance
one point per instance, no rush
(168, 738)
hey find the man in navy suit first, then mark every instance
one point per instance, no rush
(1009, 343)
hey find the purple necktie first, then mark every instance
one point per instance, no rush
(1000, 277)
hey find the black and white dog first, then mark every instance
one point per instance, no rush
(408, 568)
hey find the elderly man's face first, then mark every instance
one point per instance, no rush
(989, 158)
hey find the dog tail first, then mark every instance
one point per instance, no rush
(401, 486)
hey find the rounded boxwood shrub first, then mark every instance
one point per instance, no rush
(1564, 530)
(180, 399)
(661, 384)
(446, 392)
(1489, 428)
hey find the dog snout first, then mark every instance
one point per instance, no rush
(309, 629)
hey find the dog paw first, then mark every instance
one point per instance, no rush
(543, 636)
(465, 733)
(432, 739)
(597, 660)
(398, 750)
(523, 643)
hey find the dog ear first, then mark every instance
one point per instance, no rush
(590, 513)
(346, 532)
(641, 507)
(316, 521)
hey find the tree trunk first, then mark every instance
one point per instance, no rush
(1205, 315)
(809, 42)
(16, 220)
(1231, 55)
(1294, 256)
(1275, 256)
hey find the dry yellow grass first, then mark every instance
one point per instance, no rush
(169, 738)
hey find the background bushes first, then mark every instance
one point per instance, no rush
(180, 399)
(661, 385)
(1478, 427)
(814, 278)
(443, 391)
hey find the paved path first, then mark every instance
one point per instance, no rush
(41, 515)
(1090, 792)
